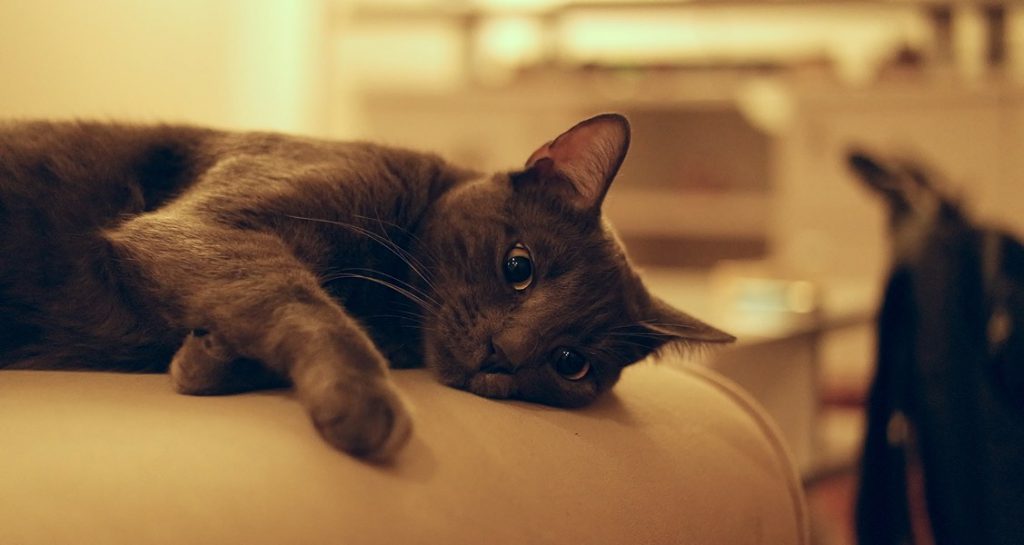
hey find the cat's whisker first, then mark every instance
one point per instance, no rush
(399, 281)
(429, 258)
(395, 249)
(384, 232)
(409, 321)
(415, 315)
(396, 316)
(399, 252)
(644, 334)
(420, 328)
(398, 289)
(391, 224)
(422, 304)
(669, 325)
(678, 346)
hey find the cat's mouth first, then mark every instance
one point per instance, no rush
(492, 385)
(483, 373)
(494, 377)
(495, 363)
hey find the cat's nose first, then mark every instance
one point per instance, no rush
(510, 346)
(497, 361)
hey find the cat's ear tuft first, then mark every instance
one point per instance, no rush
(581, 163)
(664, 324)
(662, 327)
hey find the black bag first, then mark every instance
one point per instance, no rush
(947, 401)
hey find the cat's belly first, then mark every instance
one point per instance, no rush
(68, 306)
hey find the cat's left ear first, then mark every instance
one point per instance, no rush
(581, 163)
(663, 324)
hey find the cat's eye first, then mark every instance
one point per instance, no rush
(518, 267)
(570, 364)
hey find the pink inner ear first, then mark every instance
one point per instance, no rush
(588, 155)
(542, 152)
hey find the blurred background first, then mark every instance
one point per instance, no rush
(735, 198)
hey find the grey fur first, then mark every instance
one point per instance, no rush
(247, 260)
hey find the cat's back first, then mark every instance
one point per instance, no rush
(65, 186)
(94, 172)
(61, 184)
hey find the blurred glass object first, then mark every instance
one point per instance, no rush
(758, 300)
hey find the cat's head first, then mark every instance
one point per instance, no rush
(537, 300)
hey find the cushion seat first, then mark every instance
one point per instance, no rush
(669, 456)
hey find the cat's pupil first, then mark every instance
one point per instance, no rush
(570, 364)
(518, 269)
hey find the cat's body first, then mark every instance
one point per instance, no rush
(73, 196)
(246, 258)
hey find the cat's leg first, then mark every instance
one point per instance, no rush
(337, 372)
(339, 375)
(262, 304)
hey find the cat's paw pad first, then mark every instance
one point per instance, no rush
(367, 419)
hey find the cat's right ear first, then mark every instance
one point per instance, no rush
(579, 166)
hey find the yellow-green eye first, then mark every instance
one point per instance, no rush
(571, 364)
(518, 267)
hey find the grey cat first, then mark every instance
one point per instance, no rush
(251, 260)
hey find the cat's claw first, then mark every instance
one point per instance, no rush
(365, 419)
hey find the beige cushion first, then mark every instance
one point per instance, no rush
(670, 457)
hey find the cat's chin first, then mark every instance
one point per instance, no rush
(449, 369)
(492, 385)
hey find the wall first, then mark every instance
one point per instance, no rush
(229, 63)
(826, 223)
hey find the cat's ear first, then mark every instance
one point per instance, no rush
(663, 324)
(581, 163)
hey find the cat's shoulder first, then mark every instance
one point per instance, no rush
(43, 130)
(47, 133)
(162, 147)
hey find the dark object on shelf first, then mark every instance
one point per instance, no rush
(946, 409)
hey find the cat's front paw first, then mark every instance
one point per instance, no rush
(200, 365)
(365, 418)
